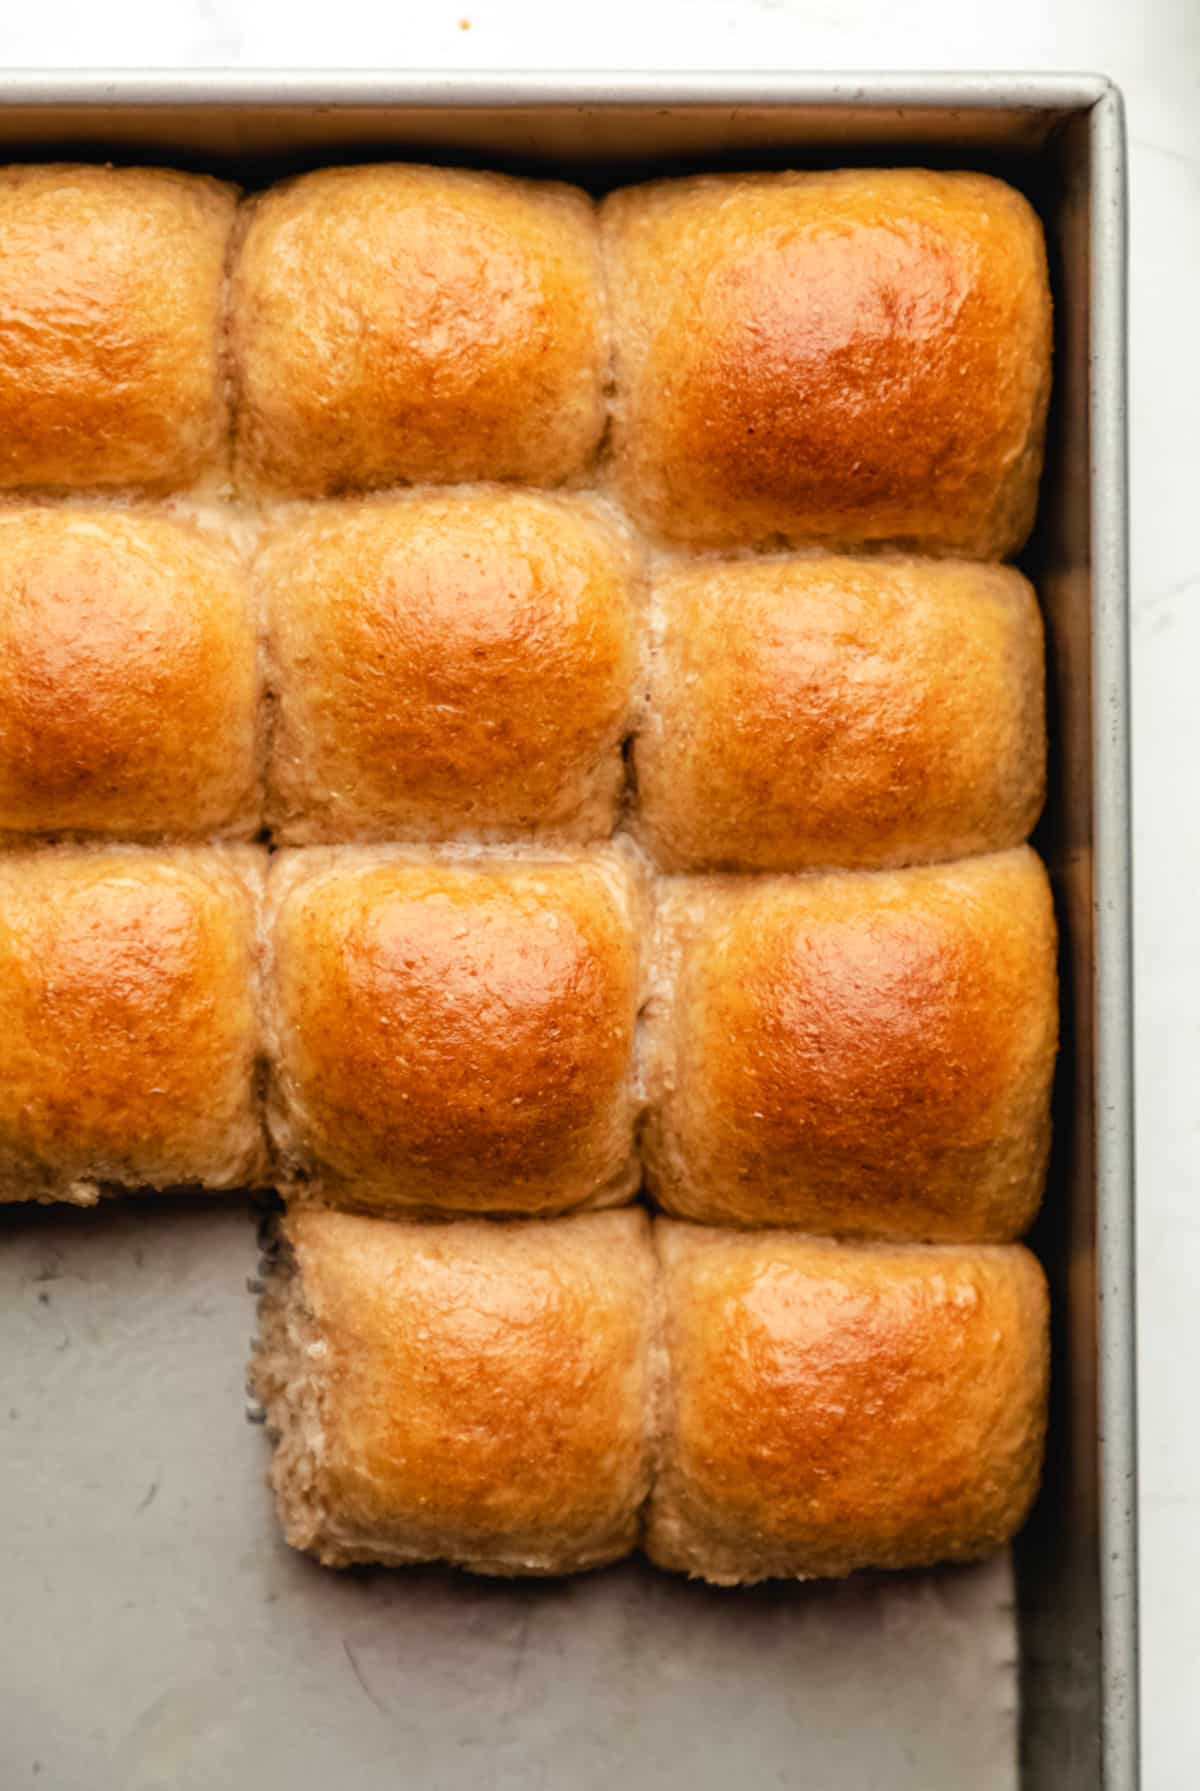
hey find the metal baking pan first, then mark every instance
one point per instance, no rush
(157, 1632)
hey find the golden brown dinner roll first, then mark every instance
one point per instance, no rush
(128, 1030)
(449, 664)
(396, 324)
(454, 1035)
(128, 682)
(813, 712)
(111, 326)
(862, 1054)
(478, 1392)
(839, 1406)
(837, 358)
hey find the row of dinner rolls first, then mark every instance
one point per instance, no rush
(838, 358)
(540, 1398)
(859, 1053)
(470, 664)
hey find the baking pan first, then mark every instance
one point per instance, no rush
(157, 1633)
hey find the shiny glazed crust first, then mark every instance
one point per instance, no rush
(860, 1054)
(449, 665)
(813, 712)
(450, 1034)
(400, 324)
(128, 1023)
(128, 677)
(838, 1407)
(112, 369)
(479, 1393)
(835, 358)
(840, 360)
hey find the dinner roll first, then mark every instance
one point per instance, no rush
(453, 1035)
(128, 1030)
(479, 1393)
(111, 327)
(815, 712)
(838, 1406)
(128, 683)
(454, 664)
(397, 324)
(863, 1054)
(837, 358)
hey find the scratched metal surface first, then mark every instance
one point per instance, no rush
(157, 1635)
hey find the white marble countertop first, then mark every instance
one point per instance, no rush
(1153, 51)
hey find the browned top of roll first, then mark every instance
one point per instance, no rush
(863, 1054)
(824, 711)
(483, 1390)
(449, 664)
(111, 361)
(128, 1030)
(839, 358)
(838, 1407)
(453, 1035)
(397, 323)
(127, 677)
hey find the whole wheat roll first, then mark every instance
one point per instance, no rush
(832, 1407)
(112, 327)
(129, 1023)
(449, 664)
(480, 1392)
(862, 1054)
(400, 324)
(821, 712)
(836, 358)
(129, 685)
(453, 1032)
